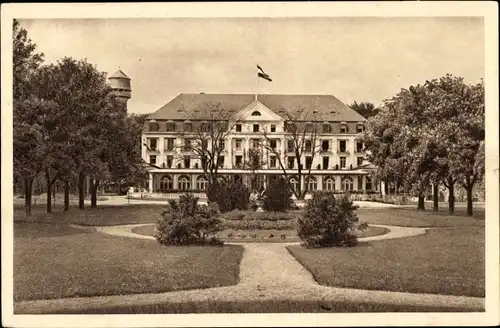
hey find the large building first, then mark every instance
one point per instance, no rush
(338, 166)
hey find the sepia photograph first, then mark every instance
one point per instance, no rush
(321, 162)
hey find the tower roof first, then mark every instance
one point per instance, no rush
(119, 75)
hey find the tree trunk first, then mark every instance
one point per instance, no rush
(435, 197)
(93, 193)
(81, 190)
(49, 192)
(469, 199)
(66, 195)
(28, 184)
(421, 202)
(451, 196)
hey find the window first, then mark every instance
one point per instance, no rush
(343, 162)
(360, 128)
(308, 146)
(272, 162)
(201, 183)
(294, 183)
(187, 144)
(237, 143)
(255, 128)
(184, 183)
(327, 128)
(222, 144)
(290, 162)
(239, 160)
(289, 127)
(313, 184)
(325, 145)
(154, 126)
(152, 159)
(359, 161)
(170, 160)
(255, 143)
(187, 162)
(329, 184)
(220, 162)
(347, 184)
(368, 183)
(204, 127)
(153, 144)
(326, 162)
(360, 182)
(343, 128)
(256, 113)
(290, 145)
(309, 128)
(309, 161)
(166, 183)
(273, 127)
(204, 144)
(169, 144)
(342, 146)
(170, 127)
(188, 127)
(359, 146)
(273, 143)
(238, 127)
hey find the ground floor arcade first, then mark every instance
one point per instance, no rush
(170, 181)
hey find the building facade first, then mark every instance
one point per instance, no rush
(336, 158)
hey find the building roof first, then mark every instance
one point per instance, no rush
(119, 75)
(329, 108)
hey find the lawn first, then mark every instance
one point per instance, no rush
(258, 306)
(102, 215)
(247, 236)
(444, 261)
(410, 217)
(55, 260)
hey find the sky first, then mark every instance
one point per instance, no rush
(354, 59)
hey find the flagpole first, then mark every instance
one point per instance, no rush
(256, 85)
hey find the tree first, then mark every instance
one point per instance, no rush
(254, 162)
(27, 133)
(205, 139)
(365, 109)
(301, 137)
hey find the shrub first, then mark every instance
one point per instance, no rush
(184, 222)
(230, 195)
(277, 196)
(259, 224)
(328, 221)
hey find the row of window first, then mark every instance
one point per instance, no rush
(223, 126)
(347, 184)
(273, 162)
(256, 144)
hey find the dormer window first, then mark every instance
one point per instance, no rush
(309, 127)
(327, 128)
(153, 126)
(360, 127)
(256, 113)
(188, 127)
(204, 127)
(344, 128)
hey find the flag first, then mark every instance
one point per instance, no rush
(263, 74)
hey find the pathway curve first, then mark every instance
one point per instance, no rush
(267, 272)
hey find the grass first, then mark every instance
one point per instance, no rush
(263, 306)
(65, 262)
(102, 215)
(262, 235)
(410, 217)
(444, 261)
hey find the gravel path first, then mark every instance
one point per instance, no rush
(267, 272)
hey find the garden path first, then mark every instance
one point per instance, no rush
(267, 272)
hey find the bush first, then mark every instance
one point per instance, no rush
(328, 221)
(230, 195)
(277, 196)
(184, 222)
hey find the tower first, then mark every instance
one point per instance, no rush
(120, 83)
